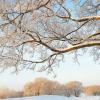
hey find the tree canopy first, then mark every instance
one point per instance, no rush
(35, 34)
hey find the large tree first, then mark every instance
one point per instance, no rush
(35, 34)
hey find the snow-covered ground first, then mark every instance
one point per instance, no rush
(56, 98)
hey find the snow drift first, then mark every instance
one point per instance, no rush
(56, 98)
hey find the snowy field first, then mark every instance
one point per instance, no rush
(56, 98)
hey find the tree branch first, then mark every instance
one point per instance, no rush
(75, 47)
(87, 18)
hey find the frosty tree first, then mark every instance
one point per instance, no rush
(36, 34)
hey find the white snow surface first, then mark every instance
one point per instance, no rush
(55, 98)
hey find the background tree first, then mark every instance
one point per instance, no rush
(8, 93)
(35, 34)
(74, 88)
(92, 90)
(40, 86)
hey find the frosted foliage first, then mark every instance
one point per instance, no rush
(40, 32)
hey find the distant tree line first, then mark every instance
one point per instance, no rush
(43, 86)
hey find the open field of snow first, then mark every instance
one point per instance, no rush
(56, 98)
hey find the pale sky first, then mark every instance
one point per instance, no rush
(88, 72)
